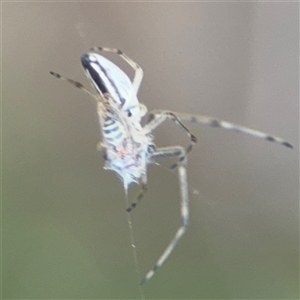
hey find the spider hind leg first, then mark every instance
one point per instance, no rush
(183, 184)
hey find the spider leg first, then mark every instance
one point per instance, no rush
(182, 176)
(74, 83)
(138, 76)
(217, 123)
(140, 195)
(156, 118)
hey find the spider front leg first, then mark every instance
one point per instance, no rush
(75, 83)
(157, 117)
(218, 123)
(182, 176)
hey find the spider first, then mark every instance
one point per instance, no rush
(128, 146)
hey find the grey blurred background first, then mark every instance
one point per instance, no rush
(65, 230)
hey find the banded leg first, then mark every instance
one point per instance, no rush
(156, 118)
(182, 176)
(75, 83)
(214, 122)
(140, 195)
(138, 76)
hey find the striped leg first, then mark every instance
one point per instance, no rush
(214, 122)
(138, 76)
(75, 83)
(140, 195)
(182, 176)
(156, 118)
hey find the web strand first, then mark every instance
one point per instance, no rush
(132, 243)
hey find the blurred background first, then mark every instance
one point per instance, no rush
(64, 225)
